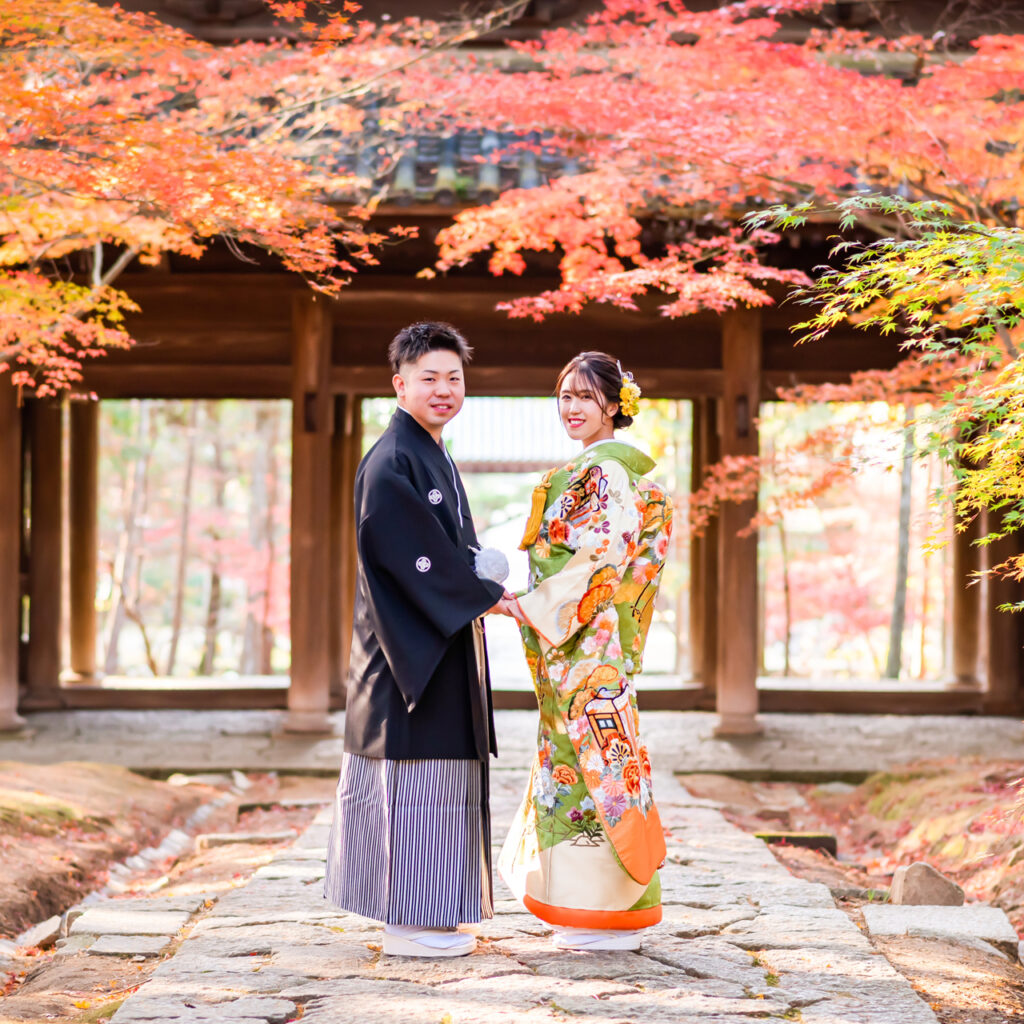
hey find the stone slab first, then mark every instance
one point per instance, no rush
(691, 922)
(305, 871)
(187, 902)
(129, 945)
(903, 1006)
(974, 922)
(209, 840)
(187, 1010)
(71, 944)
(795, 928)
(285, 802)
(43, 934)
(111, 919)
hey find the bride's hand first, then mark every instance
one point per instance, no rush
(512, 604)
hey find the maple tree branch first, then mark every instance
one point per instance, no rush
(131, 610)
(116, 267)
(97, 264)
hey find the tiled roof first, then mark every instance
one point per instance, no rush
(446, 169)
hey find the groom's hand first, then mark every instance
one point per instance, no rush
(501, 608)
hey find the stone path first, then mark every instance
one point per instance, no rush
(793, 746)
(742, 939)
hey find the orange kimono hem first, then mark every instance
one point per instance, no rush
(639, 843)
(598, 920)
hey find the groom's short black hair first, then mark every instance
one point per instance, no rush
(413, 341)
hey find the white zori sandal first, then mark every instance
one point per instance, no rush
(586, 940)
(412, 940)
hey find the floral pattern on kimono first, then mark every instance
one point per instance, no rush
(594, 570)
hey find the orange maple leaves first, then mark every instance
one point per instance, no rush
(122, 139)
(673, 122)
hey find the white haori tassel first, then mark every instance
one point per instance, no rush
(491, 564)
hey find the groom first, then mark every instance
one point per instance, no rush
(410, 843)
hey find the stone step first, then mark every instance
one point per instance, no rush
(969, 925)
(823, 841)
(208, 840)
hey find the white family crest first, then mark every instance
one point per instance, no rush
(434, 497)
(423, 563)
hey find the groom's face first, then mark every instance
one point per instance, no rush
(432, 389)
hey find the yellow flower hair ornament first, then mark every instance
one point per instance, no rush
(629, 396)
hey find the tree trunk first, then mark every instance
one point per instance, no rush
(899, 601)
(127, 556)
(260, 538)
(786, 597)
(132, 612)
(274, 421)
(922, 669)
(209, 656)
(183, 537)
(133, 593)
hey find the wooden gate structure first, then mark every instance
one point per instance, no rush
(218, 330)
(223, 329)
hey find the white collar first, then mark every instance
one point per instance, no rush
(594, 444)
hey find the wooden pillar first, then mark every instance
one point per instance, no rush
(966, 617)
(312, 416)
(45, 553)
(10, 556)
(346, 451)
(1004, 634)
(83, 536)
(704, 553)
(736, 671)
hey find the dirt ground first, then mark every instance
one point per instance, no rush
(964, 818)
(43, 986)
(62, 825)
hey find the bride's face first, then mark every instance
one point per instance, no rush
(585, 414)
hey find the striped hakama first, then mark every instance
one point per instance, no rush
(409, 840)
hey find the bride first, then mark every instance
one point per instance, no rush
(584, 850)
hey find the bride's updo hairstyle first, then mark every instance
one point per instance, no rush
(598, 373)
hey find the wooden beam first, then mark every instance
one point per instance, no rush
(177, 380)
(919, 699)
(338, 503)
(536, 380)
(312, 426)
(10, 556)
(83, 536)
(346, 451)
(209, 698)
(966, 600)
(697, 607)
(45, 553)
(704, 553)
(737, 605)
(349, 554)
(174, 380)
(1004, 632)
